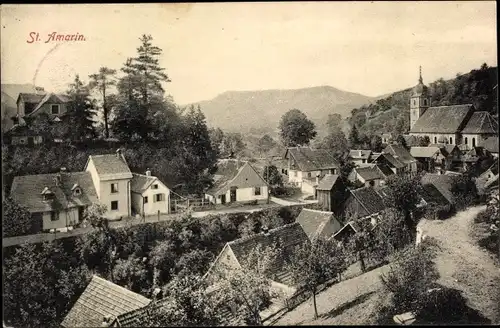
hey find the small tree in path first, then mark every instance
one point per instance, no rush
(316, 263)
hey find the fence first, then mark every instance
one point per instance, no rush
(194, 204)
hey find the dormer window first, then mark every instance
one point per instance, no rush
(54, 109)
(47, 194)
(77, 191)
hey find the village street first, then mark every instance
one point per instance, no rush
(460, 262)
(42, 237)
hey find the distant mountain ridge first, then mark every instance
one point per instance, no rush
(246, 110)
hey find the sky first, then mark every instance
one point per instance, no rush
(368, 48)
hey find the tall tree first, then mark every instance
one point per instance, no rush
(103, 81)
(334, 123)
(376, 143)
(265, 144)
(337, 142)
(296, 129)
(232, 144)
(314, 264)
(217, 138)
(354, 137)
(81, 110)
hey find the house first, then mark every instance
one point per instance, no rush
(237, 181)
(330, 192)
(23, 135)
(112, 179)
(386, 138)
(360, 156)
(347, 231)
(55, 201)
(455, 124)
(371, 175)
(386, 160)
(362, 203)
(488, 178)
(429, 157)
(149, 195)
(236, 253)
(306, 164)
(442, 182)
(490, 145)
(318, 224)
(402, 155)
(101, 303)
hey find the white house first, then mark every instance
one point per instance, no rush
(112, 177)
(149, 195)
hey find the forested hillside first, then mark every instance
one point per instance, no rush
(392, 113)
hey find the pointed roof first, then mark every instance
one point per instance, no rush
(371, 201)
(400, 153)
(31, 97)
(318, 223)
(424, 152)
(490, 144)
(235, 173)
(369, 173)
(327, 182)
(481, 122)
(308, 159)
(420, 89)
(57, 98)
(110, 166)
(100, 299)
(141, 182)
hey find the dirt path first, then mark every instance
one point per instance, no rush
(463, 265)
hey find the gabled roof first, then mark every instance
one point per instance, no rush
(400, 153)
(328, 182)
(432, 195)
(111, 165)
(52, 97)
(442, 182)
(369, 199)
(442, 119)
(308, 159)
(141, 182)
(286, 238)
(101, 299)
(234, 173)
(349, 228)
(490, 144)
(359, 153)
(481, 122)
(424, 152)
(27, 191)
(369, 173)
(31, 97)
(391, 160)
(318, 223)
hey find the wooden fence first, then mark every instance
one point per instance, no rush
(193, 204)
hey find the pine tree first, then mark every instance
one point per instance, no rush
(354, 136)
(81, 110)
(103, 81)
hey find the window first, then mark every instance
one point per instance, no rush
(414, 102)
(257, 191)
(54, 216)
(308, 174)
(114, 188)
(54, 109)
(451, 140)
(425, 102)
(155, 186)
(435, 139)
(146, 200)
(473, 142)
(77, 191)
(114, 205)
(466, 141)
(159, 198)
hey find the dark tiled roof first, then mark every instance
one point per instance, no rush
(443, 119)
(371, 201)
(26, 190)
(327, 182)
(490, 144)
(481, 122)
(369, 173)
(111, 164)
(442, 182)
(31, 97)
(102, 298)
(137, 317)
(392, 160)
(385, 170)
(232, 173)
(432, 195)
(349, 229)
(140, 182)
(53, 98)
(308, 159)
(318, 223)
(424, 152)
(400, 153)
(359, 154)
(285, 238)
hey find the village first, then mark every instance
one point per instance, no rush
(123, 208)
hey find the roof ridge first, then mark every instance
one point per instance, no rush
(121, 288)
(319, 211)
(240, 240)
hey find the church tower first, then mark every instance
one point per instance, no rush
(420, 100)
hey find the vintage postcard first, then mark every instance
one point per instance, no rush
(259, 163)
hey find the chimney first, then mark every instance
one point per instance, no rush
(118, 153)
(148, 172)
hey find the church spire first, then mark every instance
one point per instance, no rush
(420, 80)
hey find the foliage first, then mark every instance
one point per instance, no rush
(390, 235)
(316, 263)
(411, 273)
(103, 81)
(376, 143)
(81, 109)
(16, 219)
(334, 123)
(296, 129)
(337, 142)
(265, 144)
(232, 144)
(272, 176)
(131, 273)
(354, 137)
(94, 214)
(464, 190)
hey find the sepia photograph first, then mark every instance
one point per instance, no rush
(250, 164)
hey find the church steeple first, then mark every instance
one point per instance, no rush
(420, 99)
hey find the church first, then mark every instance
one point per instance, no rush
(455, 124)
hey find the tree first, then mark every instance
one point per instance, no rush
(376, 143)
(94, 214)
(464, 190)
(17, 220)
(131, 273)
(404, 195)
(272, 176)
(314, 264)
(103, 81)
(391, 234)
(216, 138)
(424, 141)
(337, 142)
(296, 129)
(81, 110)
(354, 137)
(233, 144)
(400, 140)
(265, 144)
(162, 257)
(334, 123)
